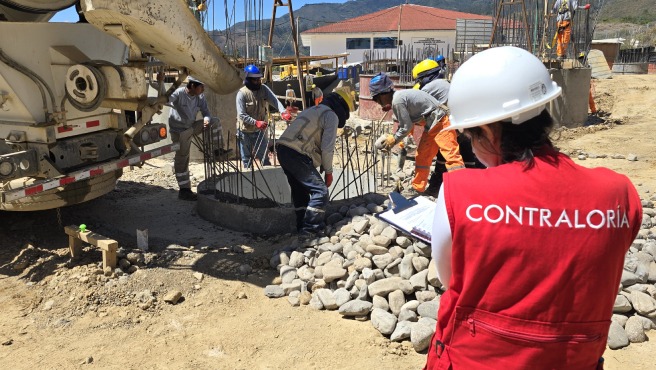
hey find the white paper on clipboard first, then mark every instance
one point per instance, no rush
(416, 220)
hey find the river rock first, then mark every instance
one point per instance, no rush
(396, 300)
(420, 335)
(384, 286)
(380, 302)
(617, 337)
(402, 331)
(355, 308)
(383, 321)
(634, 330)
(429, 309)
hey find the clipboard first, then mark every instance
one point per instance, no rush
(413, 216)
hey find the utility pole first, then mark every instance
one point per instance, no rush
(294, 25)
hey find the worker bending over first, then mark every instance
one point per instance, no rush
(253, 100)
(416, 107)
(186, 102)
(564, 10)
(429, 75)
(531, 249)
(308, 143)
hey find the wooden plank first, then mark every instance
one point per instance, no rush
(106, 245)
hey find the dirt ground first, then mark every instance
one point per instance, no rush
(62, 314)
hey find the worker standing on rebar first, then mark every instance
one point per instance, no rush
(253, 100)
(564, 10)
(308, 143)
(429, 75)
(416, 107)
(530, 250)
(317, 94)
(185, 103)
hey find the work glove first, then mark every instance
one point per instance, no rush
(385, 142)
(286, 116)
(329, 179)
(586, 7)
(206, 122)
(261, 125)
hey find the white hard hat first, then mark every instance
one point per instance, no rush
(499, 84)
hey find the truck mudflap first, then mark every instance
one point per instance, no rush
(86, 173)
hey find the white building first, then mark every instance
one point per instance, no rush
(423, 27)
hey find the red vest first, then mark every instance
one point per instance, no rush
(537, 259)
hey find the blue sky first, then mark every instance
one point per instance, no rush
(217, 9)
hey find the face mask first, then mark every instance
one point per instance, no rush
(252, 85)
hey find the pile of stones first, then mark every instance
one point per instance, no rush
(367, 271)
(634, 312)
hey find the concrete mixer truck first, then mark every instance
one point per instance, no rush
(68, 92)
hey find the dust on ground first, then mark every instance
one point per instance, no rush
(62, 314)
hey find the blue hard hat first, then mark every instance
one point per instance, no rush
(439, 58)
(380, 84)
(252, 71)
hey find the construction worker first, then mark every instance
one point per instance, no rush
(317, 94)
(308, 143)
(416, 107)
(290, 96)
(309, 81)
(441, 62)
(591, 102)
(531, 249)
(429, 76)
(564, 10)
(185, 102)
(253, 100)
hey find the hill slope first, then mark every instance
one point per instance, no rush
(315, 15)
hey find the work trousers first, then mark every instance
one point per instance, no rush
(309, 191)
(253, 144)
(430, 143)
(591, 102)
(564, 34)
(181, 159)
(468, 157)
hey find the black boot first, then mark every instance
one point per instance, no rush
(187, 194)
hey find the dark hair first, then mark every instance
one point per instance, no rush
(523, 142)
(192, 84)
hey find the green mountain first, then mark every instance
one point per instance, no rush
(629, 11)
(233, 40)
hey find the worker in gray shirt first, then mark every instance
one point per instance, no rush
(415, 107)
(429, 77)
(185, 104)
(253, 100)
(308, 143)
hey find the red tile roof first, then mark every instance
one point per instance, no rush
(413, 17)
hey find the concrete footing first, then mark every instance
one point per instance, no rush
(571, 108)
(264, 196)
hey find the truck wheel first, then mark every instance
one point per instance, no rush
(68, 195)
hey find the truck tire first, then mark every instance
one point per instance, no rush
(73, 193)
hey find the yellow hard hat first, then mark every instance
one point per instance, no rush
(313, 86)
(349, 96)
(423, 66)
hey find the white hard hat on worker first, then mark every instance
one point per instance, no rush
(499, 84)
